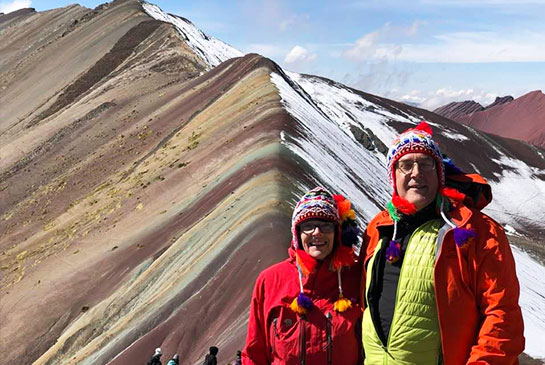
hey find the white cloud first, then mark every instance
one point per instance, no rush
(457, 47)
(432, 100)
(294, 20)
(467, 47)
(8, 7)
(481, 3)
(377, 45)
(267, 50)
(299, 55)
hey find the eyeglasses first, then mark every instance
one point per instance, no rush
(407, 166)
(309, 227)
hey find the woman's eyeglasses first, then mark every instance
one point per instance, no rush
(309, 227)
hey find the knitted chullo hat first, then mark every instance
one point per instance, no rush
(321, 204)
(415, 140)
(419, 140)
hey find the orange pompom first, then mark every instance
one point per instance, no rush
(342, 304)
(344, 256)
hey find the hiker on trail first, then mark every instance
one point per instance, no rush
(238, 360)
(210, 358)
(305, 310)
(440, 280)
(156, 358)
(174, 361)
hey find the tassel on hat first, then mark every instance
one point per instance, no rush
(342, 304)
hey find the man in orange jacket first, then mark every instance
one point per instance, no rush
(440, 280)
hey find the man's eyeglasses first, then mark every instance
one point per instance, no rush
(407, 166)
(309, 227)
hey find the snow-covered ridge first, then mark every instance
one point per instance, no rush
(341, 163)
(210, 49)
(518, 196)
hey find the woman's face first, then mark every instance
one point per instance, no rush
(317, 237)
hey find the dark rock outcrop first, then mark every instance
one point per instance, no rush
(499, 101)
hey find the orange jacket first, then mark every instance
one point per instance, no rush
(476, 288)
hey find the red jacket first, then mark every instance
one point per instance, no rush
(274, 330)
(476, 289)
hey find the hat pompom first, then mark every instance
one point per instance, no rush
(301, 304)
(424, 126)
(342, 304)
(403, 205)
(344, 256)
(450, 167)
(452, 194)
(349, 234)
(463, 236)
(393, 252)
(305, 262)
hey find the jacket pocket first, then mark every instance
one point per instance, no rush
(284, 335)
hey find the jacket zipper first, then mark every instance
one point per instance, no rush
(370, 305)
(302, 341)
(275, 332)
(440, 242)
(329, 339)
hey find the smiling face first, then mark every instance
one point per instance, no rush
(317, 238)
(417, 186)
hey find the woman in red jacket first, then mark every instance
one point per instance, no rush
(305, 310)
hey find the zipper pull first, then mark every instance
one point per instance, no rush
(329, 338)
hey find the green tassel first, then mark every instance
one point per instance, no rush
(393, 212)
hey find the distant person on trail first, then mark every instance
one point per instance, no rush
(210, 358)
(440, 280)
(306, 310)
(174, 361)
(238, 360)
(156, 358)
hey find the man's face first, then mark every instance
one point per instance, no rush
(416, 182)
(317, 238)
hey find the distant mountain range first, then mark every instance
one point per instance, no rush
(148, 173)
(522, 118)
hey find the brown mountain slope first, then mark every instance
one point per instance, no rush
(113, 201)
(522, 119)
(458, 108)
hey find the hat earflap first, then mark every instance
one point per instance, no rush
(396, 206)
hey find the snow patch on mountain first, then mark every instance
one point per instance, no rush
(341, 163)
(211, 50)
(518, 196)
(346, 108)
(530, 274)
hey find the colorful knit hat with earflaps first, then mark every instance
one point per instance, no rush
(321, 204)
(419, 140)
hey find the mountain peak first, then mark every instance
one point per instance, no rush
(457, 109)
(500, 100)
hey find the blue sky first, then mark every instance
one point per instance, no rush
(424, 51)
